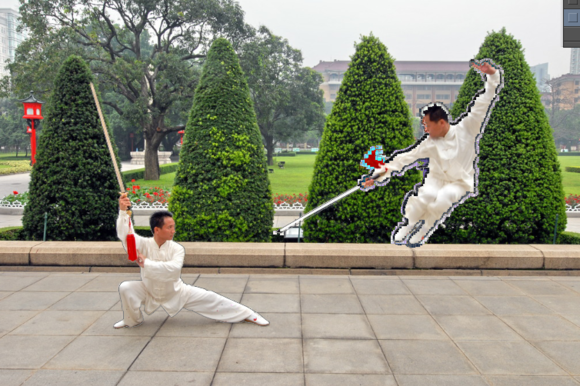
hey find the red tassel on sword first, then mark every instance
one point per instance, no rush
(131, 245)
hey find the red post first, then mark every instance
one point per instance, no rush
(33, 143)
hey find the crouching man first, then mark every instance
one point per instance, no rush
(161, 259)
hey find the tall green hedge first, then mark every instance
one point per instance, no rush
(221, 190)
(73, 180)
(520, 185)
(369, 110)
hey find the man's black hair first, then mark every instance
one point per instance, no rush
(158, 219)
(436, 113)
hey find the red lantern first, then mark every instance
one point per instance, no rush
(181, 132)
(32, 112)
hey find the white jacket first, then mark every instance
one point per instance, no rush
(452, 157)
(161, 273)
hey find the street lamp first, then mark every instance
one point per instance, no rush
(181, 132)
(32, 113)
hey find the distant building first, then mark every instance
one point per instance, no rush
(574, 60)
(422, 81)
(565, 91)
(540, 72)
(9, 37)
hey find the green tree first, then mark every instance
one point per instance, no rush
(12, 126)
(221, 190)
(147, 51)
(520, 187)
(73, 180)
(369, 110)
(287, 97)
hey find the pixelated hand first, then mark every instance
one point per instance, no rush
(484, 67)
(124, 202)
(140, 259)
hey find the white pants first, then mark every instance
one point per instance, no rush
(204, 302)
(432, 201)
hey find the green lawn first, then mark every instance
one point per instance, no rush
(294, 178)
(571, 181)
(12, 156)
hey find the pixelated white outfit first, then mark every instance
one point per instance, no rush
(161, 284)
(451, 167)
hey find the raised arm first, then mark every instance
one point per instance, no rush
(123, 223)
(402, 159)
(480, 107)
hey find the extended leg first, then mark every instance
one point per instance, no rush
(218, 307)
(133, 294)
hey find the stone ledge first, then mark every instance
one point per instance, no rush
(476, 256)
(367, 259)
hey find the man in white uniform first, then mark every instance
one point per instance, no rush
(451, 150)
(161, 259)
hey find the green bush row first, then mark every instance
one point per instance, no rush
(569, 154)
(138, 174)
(15, 167)
(290, 154)
(573, 169)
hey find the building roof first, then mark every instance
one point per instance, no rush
(400, 65)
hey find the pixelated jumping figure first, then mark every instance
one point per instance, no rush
(451, 150)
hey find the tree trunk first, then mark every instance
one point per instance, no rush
(269, 149)
(151, 161)
(17, 150)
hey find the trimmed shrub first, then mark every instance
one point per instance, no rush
(572, 169)
(520, 185)
(369, 110)
(568, 238)
(285, 155)
(138, 174)
(10, 233)
(13, 167)
(221, 190)
(73, 179)
(569, 154)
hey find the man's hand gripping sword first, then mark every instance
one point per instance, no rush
(373, 160)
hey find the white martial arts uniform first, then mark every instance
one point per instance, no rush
(451, 166)
(161, 284)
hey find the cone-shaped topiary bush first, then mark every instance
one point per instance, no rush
(221, 190)
(370, 110)
(520, 188)
(73, 180)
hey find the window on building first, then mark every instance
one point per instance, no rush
(577, 82)
(420, 78)
(333, 96)
(408, 96)
(423, 96)
(442, 96)
(459, 78)
(430, 77)
(449, 78)
(440, 77)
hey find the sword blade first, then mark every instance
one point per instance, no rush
(319, 208)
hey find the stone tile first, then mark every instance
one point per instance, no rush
(5, 294)
(103, 283)
(31, 301)
(310, 285)
(60, 283)
(566, 354)
(74, 377)
(98, 353)
(141, 378)
(104, 325)
(180, 354)
(190, 324)
(9, 320)
(16, 283)
(433, 287)
(513, 305)
(25, 273)
(452, 305)
(330, 304)
(336, 326)
(30, 352)
(543, 327)
(282, 325)
(406, 327)
(391, 304)
(350, 379)
(13, 377)
(559, 304)
(488, 288)
(278, 379)
(573, 317)
(58, 323)
(537, 380)
(272, 302)
(189, 278)
(425, 357)
(341, 356)
(573, 284)
(509, 358)
(364, 286)
(476, 327)
(257, 284)
(91, 301)
(546, 287)
(261, 356)
(222, 284)
(441, 380)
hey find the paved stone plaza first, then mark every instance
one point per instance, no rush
(57, 329)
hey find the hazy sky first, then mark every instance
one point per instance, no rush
(411, 30)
